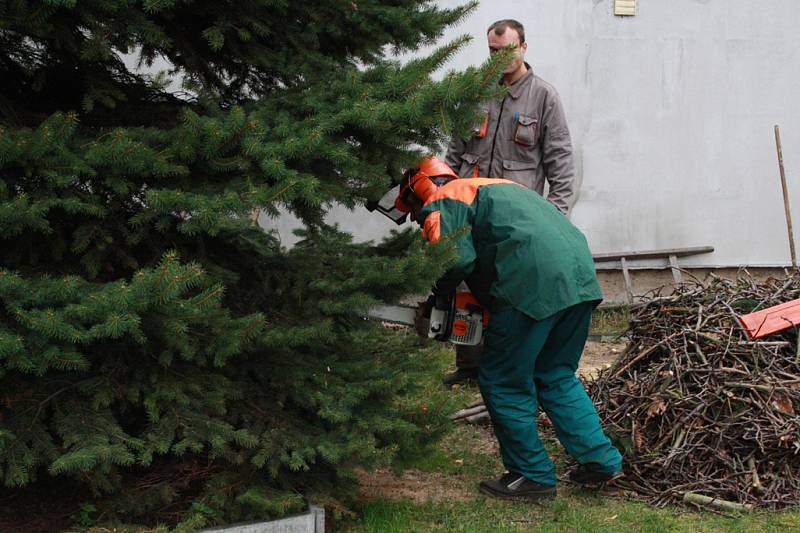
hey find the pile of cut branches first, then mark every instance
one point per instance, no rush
(700, 408)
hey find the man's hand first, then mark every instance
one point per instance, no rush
(422, 318)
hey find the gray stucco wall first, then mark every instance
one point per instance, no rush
(672, 115)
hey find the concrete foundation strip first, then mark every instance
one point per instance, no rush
(671, 254)
(312, 521)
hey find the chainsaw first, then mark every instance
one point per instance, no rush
(457, 317)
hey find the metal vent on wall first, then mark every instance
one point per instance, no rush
(625, 8)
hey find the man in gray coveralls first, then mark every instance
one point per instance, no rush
(524, 138)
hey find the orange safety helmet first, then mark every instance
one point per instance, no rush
(419, 183)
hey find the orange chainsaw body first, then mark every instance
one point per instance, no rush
(462, 322)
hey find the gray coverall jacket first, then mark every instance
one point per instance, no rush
(525, 139)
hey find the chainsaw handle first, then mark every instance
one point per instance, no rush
(441, 324)
(442, 301)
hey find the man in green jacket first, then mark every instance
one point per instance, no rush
(526, 263)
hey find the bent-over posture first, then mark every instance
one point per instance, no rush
(532, 268)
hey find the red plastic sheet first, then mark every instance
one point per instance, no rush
(771, 320)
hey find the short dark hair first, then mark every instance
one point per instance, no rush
(501, 26)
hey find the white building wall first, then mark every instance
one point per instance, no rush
(671, 114)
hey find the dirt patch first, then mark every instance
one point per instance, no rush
(485, 443)
(598, 355)
(414, 485)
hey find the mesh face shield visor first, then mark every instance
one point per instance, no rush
(420, 182)
(386, 206)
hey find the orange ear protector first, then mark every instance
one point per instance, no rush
(420, 183)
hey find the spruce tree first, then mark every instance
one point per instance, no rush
(147, 326)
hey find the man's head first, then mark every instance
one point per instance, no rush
(505, 34)
(420, 183)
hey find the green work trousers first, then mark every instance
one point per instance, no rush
(527, 363)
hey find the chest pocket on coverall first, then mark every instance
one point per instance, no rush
(526, 131)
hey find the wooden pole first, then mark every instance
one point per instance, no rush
(785, 196)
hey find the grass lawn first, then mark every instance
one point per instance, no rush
(578, 512)
(439, 491)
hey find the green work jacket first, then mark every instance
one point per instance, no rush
(515, 249)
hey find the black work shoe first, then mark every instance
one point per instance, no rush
(460, 376)
(516, 486)
(586, 475)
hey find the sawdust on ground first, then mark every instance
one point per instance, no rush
(598, 355)
(421, 487)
